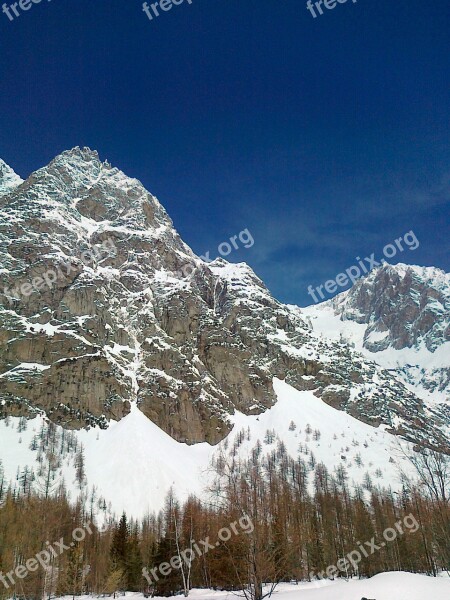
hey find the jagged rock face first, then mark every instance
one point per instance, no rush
(130, 314)
(404, 307)
(407, 304)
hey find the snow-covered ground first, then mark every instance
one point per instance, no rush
(133, 463)
(385, 586)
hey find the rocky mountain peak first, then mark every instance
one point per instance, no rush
(90, 196)
(404, 306)
(399, 317)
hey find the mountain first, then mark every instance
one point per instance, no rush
(112, 329)
(399, 317)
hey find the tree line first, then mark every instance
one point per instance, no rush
(298, 530)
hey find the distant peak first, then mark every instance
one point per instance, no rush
(8, 178)
(5, 169)
(403, 269)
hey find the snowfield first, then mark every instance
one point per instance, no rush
(385, 586)
(134, 463)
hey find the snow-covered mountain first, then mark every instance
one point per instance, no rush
(113, 329)
(399, 317)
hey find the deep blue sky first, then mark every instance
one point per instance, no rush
(327, 138)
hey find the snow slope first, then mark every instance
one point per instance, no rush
(134, 463)
(385, 586)
(408, 361)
